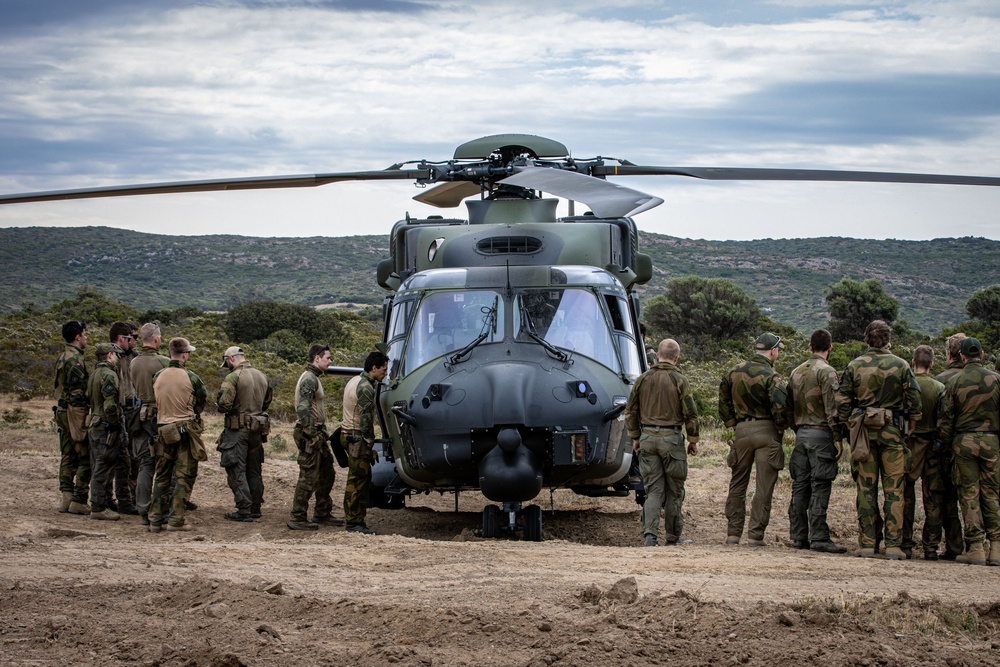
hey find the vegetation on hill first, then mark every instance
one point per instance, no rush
(787, 278)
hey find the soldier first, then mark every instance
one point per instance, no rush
(752, 399)
(316, 474)
(925, 459)
(812, 412)
(879, 398)
(358, 433)
(105, 430)
(244, 397)
(121, 335)
(180, 399)
(143, 430)
(971, 424)
(661, 404)
(71, 419)
(947, 511)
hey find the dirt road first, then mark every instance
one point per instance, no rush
(427, 591)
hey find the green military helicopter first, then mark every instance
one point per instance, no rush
(512, 334)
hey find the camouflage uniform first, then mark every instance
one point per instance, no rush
(123, 478)
(971, 424)
(358, 438)
(812, 411)
(104, 432)
(244, 397)
(943, 509)
(180, 400)
(882, 384)
(752, 398)
(71, 392)
(926, 454)
(661, 403)
(316, 474)
(142, 431)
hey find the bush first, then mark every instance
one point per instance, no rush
(854, 305)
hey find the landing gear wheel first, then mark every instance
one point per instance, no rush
(533, 523)
(491, 521)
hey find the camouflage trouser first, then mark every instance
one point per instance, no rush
(123, 468)
(242, 453)
(146, 461)
(977, 475)
(74, 462)
(663, 466)
(103, 458)
(177, 461)
(359, 481)
(940, 503)
(756, 442)
(888, 460)
(316, 476)
(813, 467)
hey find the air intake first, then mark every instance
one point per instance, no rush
(509, 245)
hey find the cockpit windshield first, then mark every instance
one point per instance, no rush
(568, 318)
(446, 322)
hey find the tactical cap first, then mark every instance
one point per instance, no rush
(769, 341)
(230, 351)
(971, 347)
(179, 345)
(104, 349)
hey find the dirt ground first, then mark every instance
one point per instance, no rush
(426, 590)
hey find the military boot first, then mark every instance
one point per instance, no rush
(302, 525)
(327, 521)
(64, 502)
(183, 528)
(105, 515)
(865, 553)
(976, 555)
(78, 508)
(650, 540)
(994, 558)
(255, 512)
(895, 553)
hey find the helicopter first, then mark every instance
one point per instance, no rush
(512, 333)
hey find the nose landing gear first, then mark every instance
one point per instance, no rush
(496, 521)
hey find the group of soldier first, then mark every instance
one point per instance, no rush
(895, 422)
(131, 430)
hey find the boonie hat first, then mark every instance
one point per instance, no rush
(230, 351)
(179, 345)
(971, 347)
(768, 341)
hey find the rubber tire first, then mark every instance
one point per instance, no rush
(491, 521)
(533, 523)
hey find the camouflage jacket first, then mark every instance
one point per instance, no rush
(71, 378)
(245, 391)
(661, 397)
(878, 379)
(102, 388)
(932, 406)
(180, 394)
(972, 401)
(949, 372)
(752, 389)
(812, 394)
(309, 408)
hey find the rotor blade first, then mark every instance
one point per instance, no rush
(448, 195)
(754, 174)
(606, 200)
(257, 183)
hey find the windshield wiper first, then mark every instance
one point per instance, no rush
(489, 326)
(528, 326)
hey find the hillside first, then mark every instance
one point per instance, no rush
(931, 279)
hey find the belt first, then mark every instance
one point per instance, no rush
(753, 419)
(651, 427)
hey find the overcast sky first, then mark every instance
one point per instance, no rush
(108, 92)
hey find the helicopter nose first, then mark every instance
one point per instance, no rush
(509, 439)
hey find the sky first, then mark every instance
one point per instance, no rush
(109, 92)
